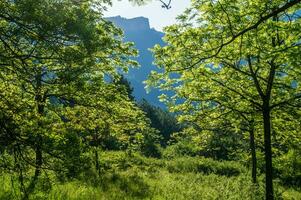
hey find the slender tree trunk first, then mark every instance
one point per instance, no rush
(39, 140)
(97, 161)
(38, 166)
(253, 155)
(39, 159)
(21, 177)
(268, 152)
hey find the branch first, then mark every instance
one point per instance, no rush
(166, 5)
(254, 76)
(241, 33)
(287, 101)
(261, 20)
(238, 93)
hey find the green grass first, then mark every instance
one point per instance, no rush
(153, 179)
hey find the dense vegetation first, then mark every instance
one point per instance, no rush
(70, 127)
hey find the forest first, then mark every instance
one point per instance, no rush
(70, 127)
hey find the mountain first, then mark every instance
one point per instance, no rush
(138, 30)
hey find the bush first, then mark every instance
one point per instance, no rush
(204, 165)
(150, 146)
(114, 160)
(288, 167)
(120, 161)
(182, 148)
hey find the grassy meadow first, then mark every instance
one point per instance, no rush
(136, 177)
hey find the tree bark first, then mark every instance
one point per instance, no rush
(253, 155)
(268, 152)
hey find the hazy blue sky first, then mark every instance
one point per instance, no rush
(158, 16)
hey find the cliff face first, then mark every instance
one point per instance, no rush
(138, 30)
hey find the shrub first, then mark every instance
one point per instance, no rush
(182, 148)
(204, 165)
(114, 160)
(288, 167)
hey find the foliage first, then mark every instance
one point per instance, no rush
(56, 103)
(161, 120)
(228, 73)
(204, 165)
(288, 167)
(125, 86)
(220, 144)
(184, 147)
(234, 70)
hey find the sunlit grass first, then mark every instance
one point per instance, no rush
(152, 179)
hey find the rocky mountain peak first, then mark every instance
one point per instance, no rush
(137, 23)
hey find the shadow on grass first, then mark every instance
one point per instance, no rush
(132, 185)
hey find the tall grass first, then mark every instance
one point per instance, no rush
(138, 178)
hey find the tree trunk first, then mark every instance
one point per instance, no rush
(268, 152)
(39, 143)
(18, 166)
(97, 161)
(38, 166)
(253, 155)
(39, 160)
(39, 140)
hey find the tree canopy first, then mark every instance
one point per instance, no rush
(56, 100)
(224, 67)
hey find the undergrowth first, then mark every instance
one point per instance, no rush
(137, 177)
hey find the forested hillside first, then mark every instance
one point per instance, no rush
(71, 127)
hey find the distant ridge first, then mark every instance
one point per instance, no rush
(138, 30)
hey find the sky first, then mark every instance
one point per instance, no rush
(157, 16)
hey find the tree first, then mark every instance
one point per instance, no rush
(222, 120)
(259, 67)
(125, 86)
(53, 83)
(161, 120)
